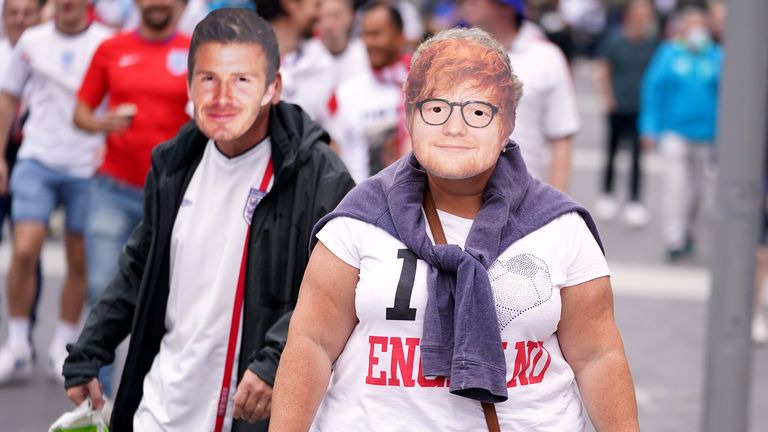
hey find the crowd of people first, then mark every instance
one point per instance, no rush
(197, 148)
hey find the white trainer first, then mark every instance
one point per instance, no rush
(56, 355)
(759, 329)
(15, 364)
(606, 208)
(636, 215)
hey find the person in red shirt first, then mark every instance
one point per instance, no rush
(142, 76)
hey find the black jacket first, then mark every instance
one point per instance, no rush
(309, 181)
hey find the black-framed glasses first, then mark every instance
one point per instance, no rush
(476, 114)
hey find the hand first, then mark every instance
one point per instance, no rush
(92, 389)
(253, 399)
(112, 122)
(3, 176)
(647, 143)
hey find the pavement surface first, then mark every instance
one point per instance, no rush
(661, 309)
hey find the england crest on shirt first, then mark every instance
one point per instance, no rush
(254, 198)
(176, 61)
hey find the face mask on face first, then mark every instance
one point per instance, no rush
(697, 37)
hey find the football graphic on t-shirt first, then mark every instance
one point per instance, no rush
(520, 284)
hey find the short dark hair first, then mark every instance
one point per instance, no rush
(230, 25)
(395, 17)
(270, 9)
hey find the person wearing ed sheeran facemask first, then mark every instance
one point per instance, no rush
(505, 306)
(678, 114)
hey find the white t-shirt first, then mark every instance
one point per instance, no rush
(351, 62)
(377, 383)
(49, 66)
(181, 390)
(547, 109)
(367, 115)
(5, 54)
(308, 79)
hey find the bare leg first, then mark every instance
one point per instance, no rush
(73, 294)
(27, 243)
(762, 272)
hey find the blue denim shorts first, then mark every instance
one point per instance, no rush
(37, 190)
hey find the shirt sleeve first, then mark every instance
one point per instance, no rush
(19, 68)
(585, 259)
(339, 236)
(561, 118)
(94, 86)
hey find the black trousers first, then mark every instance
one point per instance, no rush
(623, 126)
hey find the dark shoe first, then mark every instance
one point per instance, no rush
(676, 255)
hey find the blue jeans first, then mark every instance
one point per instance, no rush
(115, 209)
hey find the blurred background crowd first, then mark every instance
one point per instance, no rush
(619, 109)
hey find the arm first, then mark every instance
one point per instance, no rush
(87, 120)
(8, 106)
(603, 84)
(652, 97)
(94, 88)
(321, 324)
(591, 344)
(254, 393)
(253, 397)
(560, 120)
(14, 81)
(560, 163)
(109, 322)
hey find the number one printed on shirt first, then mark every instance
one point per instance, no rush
(402, 311)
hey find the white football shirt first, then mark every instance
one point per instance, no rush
(47, 67)
(377, 383)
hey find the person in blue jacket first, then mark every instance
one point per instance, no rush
(678, 114)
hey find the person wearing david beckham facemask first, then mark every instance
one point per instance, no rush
(678, 115)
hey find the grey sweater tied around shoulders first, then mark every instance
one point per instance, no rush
(461, 338)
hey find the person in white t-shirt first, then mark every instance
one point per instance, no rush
(547, 117)
(18, 15)
(55, 164)
(334, 32)
(307, 68)
(348, 54)
(453, 291)
(367, 124)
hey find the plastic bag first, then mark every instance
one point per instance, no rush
(81, 419)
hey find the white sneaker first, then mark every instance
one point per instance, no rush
(606, 208)
(759, 329)
(56, 355)
(15, 364)
(636, 215)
